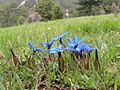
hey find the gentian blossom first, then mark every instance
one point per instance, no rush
(56, 49)
(49, 44)
(88, 49)
(60, 37)
(34, 48)
(83, 47)
(74, 43)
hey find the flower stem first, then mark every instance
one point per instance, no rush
(60, 62)
(61, 42)
(30, 61)
(97, 63)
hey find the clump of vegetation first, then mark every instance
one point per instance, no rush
(80, 51)
(10, 16)
(96, 7)
(49, 10)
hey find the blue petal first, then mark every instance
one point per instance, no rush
(56, 38)
(33, 48)
(45, 44)
(60, 47)
(31, 45)
(70, 39)
(70, 44)
(52, 52)
(61, 50)
(56, 49)
(92, 49)
(82, 47)
(78, 49)
(85, 45)
(53, 49)
(72, 49)
(89, 45)
(60, 37)
(40, 50)
(63, 35)
(75, 39)
(81, 40)
(51, 42)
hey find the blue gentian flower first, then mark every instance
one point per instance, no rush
(48, 45)
(56, 49)
(34, 48)
(60, 37)
(70, 39)
(88, 49)
(75, 42)
(82, 47)
(71, 44)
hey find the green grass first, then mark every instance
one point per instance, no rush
(102, 31)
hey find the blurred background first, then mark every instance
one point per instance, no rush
(17, 12)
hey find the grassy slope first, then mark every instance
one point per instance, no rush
(17, 37)
(98, 30)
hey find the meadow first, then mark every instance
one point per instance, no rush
(101, 31)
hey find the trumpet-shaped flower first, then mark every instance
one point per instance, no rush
(34, 48)
(60, 37)
(82, 47)
(75, 42)
(56, 49)
(48, 45)
(88, 49)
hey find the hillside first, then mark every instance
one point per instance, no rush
(64, 3)
(100, 31)
(84, 25)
